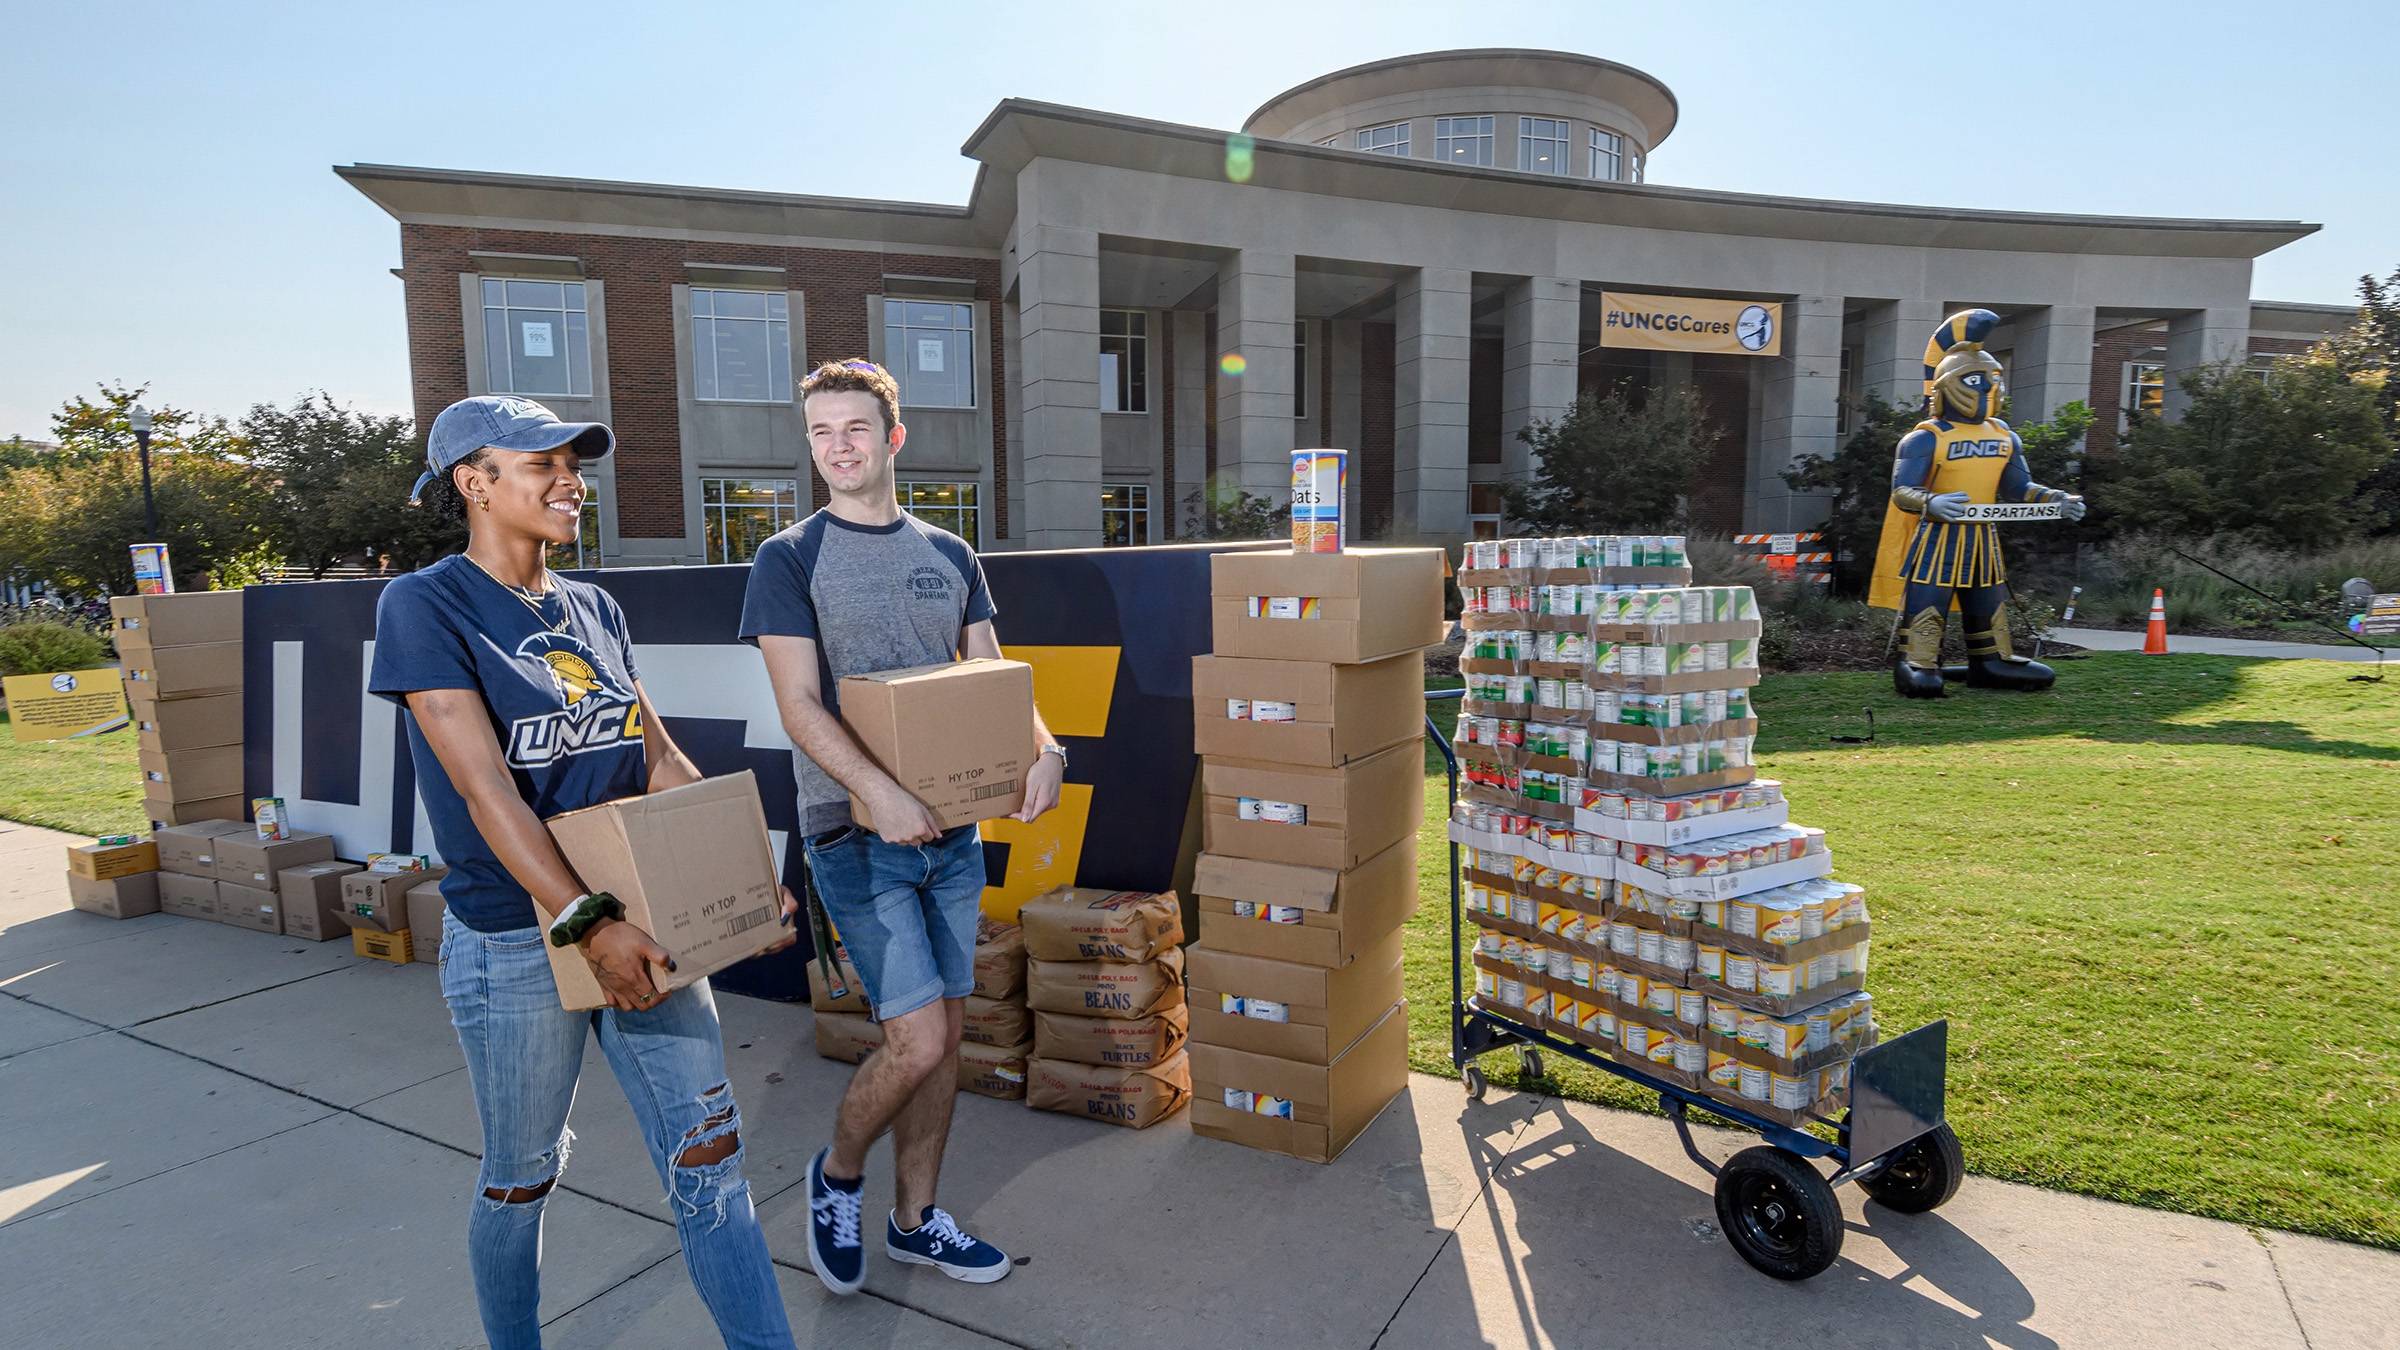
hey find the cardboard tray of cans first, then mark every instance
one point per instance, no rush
(1497, 576)
(1689, 682)
(1670, 631)
(1683, 831)
(1697, 732)
(1669, 787)
(1575, 576)
(1784, 1005)
(1492, 665)
(1559, 812)
(1727, 885)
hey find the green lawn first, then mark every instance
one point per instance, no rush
(91, 786)
(2156, 906)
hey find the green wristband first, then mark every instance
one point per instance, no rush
(569, 928)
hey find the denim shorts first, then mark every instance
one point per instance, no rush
(906, 913)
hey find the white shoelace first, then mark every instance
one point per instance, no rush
(844, 1209)
(945, 1229)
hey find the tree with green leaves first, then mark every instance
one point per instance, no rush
(1622, 460)
(2368, 355)
(341, 481)
(2277, 455)
(1225, 511)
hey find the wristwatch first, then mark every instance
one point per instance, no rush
(1055, 749)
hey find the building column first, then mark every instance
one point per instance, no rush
(1012, 338)
(1799, 400)
(1058, 303)
(2203, 340)
(1190, 378)
(1429, 395)
(1893, 355)
(1254, 408)
(1537, 370)
(1341, 395)
(2052, 364)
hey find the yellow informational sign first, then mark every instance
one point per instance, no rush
(66, 704)
(1686, 323)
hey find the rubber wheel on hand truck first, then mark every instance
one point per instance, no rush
(1529, 1064)
(1472, 1076)
(1778, 1213)
(1919, 1177)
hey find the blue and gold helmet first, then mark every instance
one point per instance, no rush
(1963, 382)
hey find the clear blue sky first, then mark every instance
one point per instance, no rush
(171, 215)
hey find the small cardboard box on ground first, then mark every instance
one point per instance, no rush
(1078, 924)
(170, 673)
(1310, 1111)
(1136, 1098)
(312, 900)
(376, 945)
(1322, 715)
(1314, 817)
(191, 775)
(957, 737)
(190, 896)
(425, 920)
(1312, 915)
(247, 860)
(1347, 608)
(249, 907)
(182, 619)
(107, 862)
(188, 724)
(191, 848)
(1309, 1014)
(125, 897)
(694, 869)
(377, 902)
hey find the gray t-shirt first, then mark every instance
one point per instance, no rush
(872, 597)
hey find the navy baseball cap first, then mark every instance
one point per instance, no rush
(503, 422)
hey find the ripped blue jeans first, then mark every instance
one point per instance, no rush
(524, 1053)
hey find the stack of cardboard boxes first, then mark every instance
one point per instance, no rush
(182, 656)
(392, 906)
(249, 874)
(114, 878)
(1308, 718)
(998, 1039)
(1106, 988)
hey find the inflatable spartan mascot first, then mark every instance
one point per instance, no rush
(1931, 557)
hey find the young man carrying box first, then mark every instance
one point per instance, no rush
(858, 588)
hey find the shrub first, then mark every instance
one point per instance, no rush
(38, 646)
(1619, 461)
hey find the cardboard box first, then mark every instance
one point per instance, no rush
(172, 673)
(999, 961)
(191, 775)
(1340, 914)
(994, 1021)
(957, 737)
(1310, 1014)
(378, 901)
(247, 860)
(1106, 988)
(164, 813)
(1331, 1104)
(107, 862)
(190, 896)
(1339, 713)
(1353, 812)
(1133, 1043)
(425, 906)
(249, 907)
(187, 724)
(191, 848)
(986, 1070)
(854, 994)
(1134, 1098)
(312, 900)
(393, 947)
(695, 870)
(178, 620)
(1369, 603)
(1075, 924)
(126, 897)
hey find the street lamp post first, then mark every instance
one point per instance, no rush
(139, 419)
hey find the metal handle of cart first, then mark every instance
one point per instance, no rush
(1779, 1213)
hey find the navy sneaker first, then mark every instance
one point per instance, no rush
(939, 1243)
(834, 1250)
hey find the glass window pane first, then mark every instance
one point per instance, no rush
(740, 305)
(704, 361)
(1112, 394)
(574, 291)
(779, 361)
(700, 302)
(1112, 322)
(541, 294)
(493, 292)
(495, 351)
(779, 305)
(579, 355)
(537, 357)
(741, 358)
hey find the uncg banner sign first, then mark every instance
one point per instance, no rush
(1685, 323)
(1110, 635)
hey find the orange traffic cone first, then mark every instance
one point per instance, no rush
(2154, 642)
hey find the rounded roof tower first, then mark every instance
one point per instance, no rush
(1504, 83)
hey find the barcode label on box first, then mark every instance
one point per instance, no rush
(991, 790)
(743, 923)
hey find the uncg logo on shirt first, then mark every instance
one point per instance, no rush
(928, 583)
(594, 714)
(1978, 449)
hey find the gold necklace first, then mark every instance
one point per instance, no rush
(529, 599)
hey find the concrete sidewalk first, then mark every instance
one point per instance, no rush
(2113, 640)
(210, 1137)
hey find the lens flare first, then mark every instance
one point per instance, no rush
(1240, 157)
(1231, 365)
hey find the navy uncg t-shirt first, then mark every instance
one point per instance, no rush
(562, 707)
